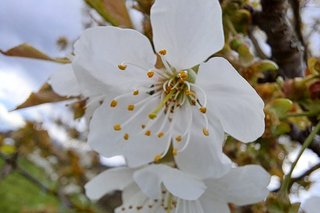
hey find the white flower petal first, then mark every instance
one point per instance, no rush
(180, 184)
(137, 148)
(90, 85)
(210, 160)
(241, 186)
(232, 100)
(108, 181)
(194, 206)
(129, 192)
(208, 203)
(311, 205)
(135, 201)
(64, 82)
(190, 30)
(92, 105)
(101, 49)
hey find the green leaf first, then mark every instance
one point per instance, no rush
(27, 51)
(280, 129)
(281, 106)
(113, 11)
(245, 55)
(265, 65)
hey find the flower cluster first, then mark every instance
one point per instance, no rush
(166, 108)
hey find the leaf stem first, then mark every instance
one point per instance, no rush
(286, 183)
(230, 25)
(308, 114)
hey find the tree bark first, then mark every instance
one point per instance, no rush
(287, 50)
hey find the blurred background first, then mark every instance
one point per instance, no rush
(44, 159)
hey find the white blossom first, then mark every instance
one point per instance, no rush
(147, 109)
(159, 188)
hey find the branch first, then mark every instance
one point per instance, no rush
(305, 174)
(35, 181)
(12, 165)
(298, 25)
(287, 50)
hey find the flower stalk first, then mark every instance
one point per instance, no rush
(286, 183)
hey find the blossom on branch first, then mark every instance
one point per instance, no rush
(159, 188)
(148, 109)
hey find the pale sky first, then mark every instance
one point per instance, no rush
(39, 23)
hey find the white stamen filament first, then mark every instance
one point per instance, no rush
(183, 100)
(166, 65)
(185, 144)
(149, 99)
(165, 120)
(164, 75)
(164, 86)
(202, 92)
(150, 122)
(188, 129)
(188, 85)
(125, 95)
(175, 86)
(176, 95)
(167, 147)
(146, 99)
(135, 65)
(170, 81)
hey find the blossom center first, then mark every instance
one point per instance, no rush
(169, 90)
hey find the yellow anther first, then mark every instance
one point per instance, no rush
(203, 109)
(122, 66)
(130, 107)
(163, 52)
(126, 136)
(183, 75)
(179, 138)
(160, 134)
(136, 92)
(152, 115)
(205, 131)
(188, 92)
(168, 88)
(174, 152)
(113, 103)
(143, 126)
(157, 158)
(117, 127)
(150, 74)
(148, 133)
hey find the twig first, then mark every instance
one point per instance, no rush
(296, 6)
(256, 44)
(305, 174)
(300, 177)
(35, 181)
